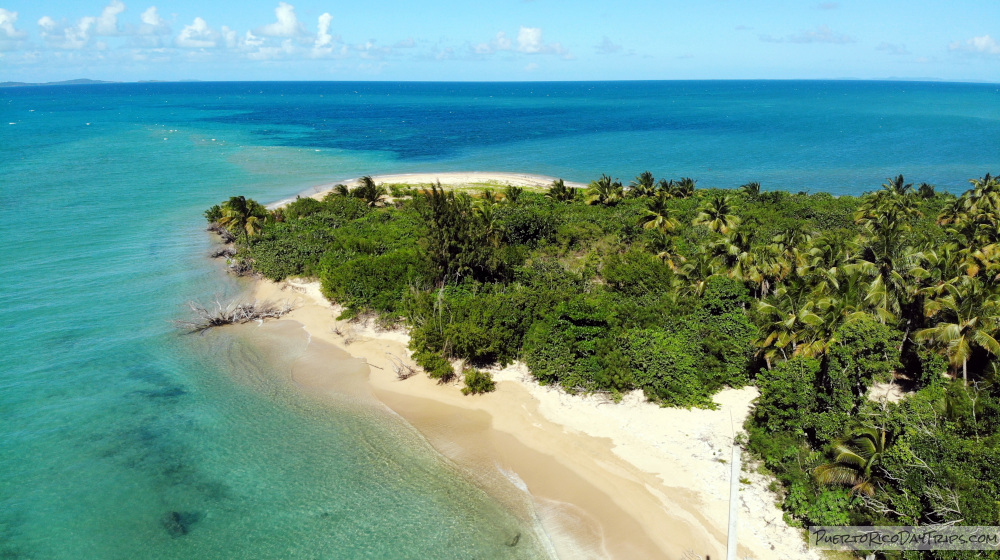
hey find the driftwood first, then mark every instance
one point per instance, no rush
(234, 312)
(402, 370)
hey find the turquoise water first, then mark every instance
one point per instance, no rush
(120, 438)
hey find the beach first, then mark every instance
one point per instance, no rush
(453, 180)
(608, 480)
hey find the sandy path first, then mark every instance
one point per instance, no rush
(627, 480)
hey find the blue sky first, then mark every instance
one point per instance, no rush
(498, 40)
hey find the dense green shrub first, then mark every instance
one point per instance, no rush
(437, 366)
(478, 382)
(375, 282)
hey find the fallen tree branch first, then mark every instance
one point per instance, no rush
(234, 312)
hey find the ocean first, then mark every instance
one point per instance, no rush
(121, 437)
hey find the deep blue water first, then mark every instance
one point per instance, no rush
(110, 420)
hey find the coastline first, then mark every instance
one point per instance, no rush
(625, 480)
(459, 179)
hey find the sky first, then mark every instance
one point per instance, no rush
(495, 40)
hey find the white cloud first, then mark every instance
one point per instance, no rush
(893, 48)
(499, 43)
(529, 41)
(287, 25)
(821, 34)
(107, 22)
(531, 67)
(324, 38)
(7, 29)
(10, 36)
(828, 6)
(984, 45)
(407, 43)
(327, 44)
(607, 47)
(152, 23)
(287, 48)
(63, 36)
(198, 35)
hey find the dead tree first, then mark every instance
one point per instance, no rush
(234, 312)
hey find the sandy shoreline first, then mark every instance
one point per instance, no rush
(627, 480)
(452, 179)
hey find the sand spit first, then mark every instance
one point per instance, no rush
(471, 179)
(609, 480)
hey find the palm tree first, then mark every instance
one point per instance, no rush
(717, 214)
(856, 462)
(560, 192)
(685, 187)
(372, 194)
(897, 186)
(926, 190)
(751, 190)
(512, 194)
(662, 243)
(341, 190)
(658, 215)
(243, 217)
(968, 318)
(606, 191)
(643, 185)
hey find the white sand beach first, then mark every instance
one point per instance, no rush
(609, 480)
(451, 179)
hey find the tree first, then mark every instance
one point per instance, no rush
(512, 194)
(751, 190)
(372, 194)
(716, 213)
(643, 185)
(605, 191)
(898, 186)
(968, 318)
(925, 191)
(856, 462)
(243, 216)
(658, 215)
(559, 192)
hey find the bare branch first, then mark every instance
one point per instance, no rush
(234, 312)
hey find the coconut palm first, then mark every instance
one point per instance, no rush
(968, 317)
(606, 191)
(925, 190)
(658, 215)
(663, 245)
(560, 192)
(512, 194)
(897, 186)
(717, 214)
(643, 185)
(856, 462)
(685, 187)
(243, 217)
(751, 190)
(372, 194)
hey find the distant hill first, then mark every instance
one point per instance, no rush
(62, 83)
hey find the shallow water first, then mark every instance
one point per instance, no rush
(121, 438)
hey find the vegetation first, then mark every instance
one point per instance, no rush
(678, 292)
